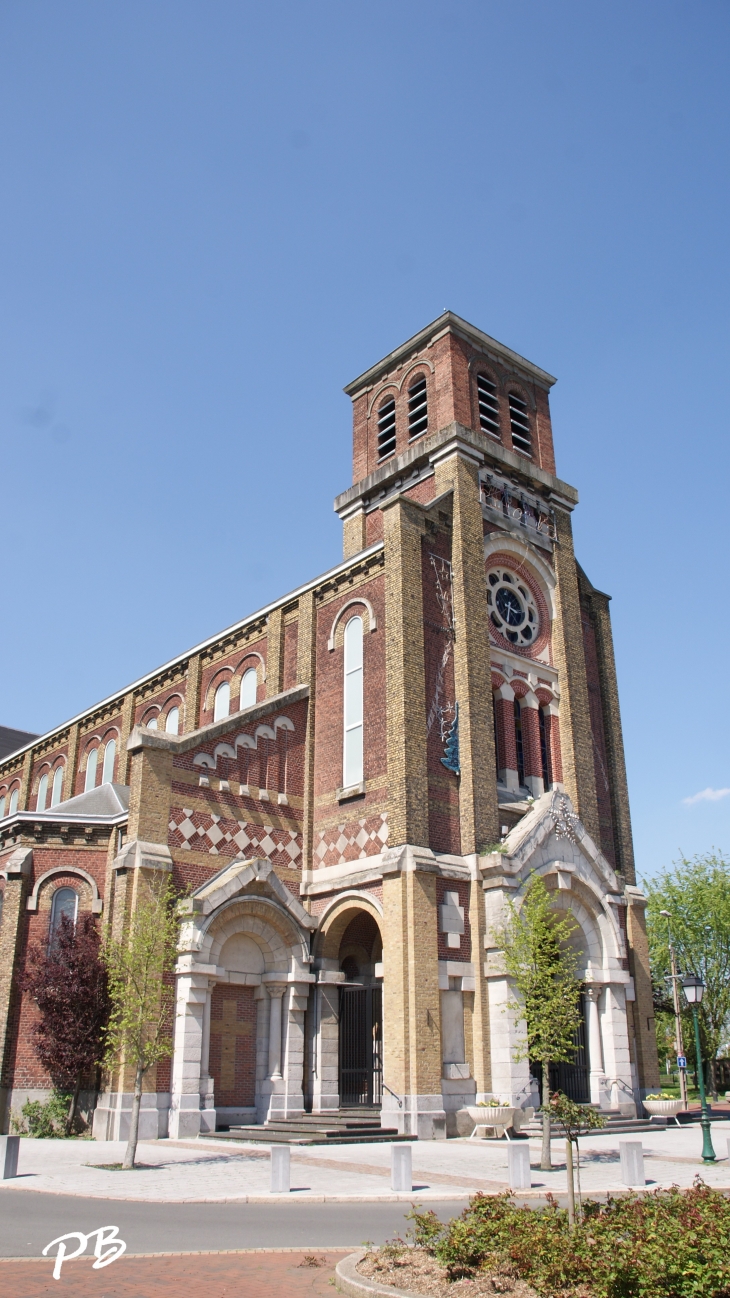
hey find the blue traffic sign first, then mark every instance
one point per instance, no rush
(681, 1061)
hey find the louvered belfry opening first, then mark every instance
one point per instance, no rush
(520, 424)
(417, 408)
(488, 406)
(386, 429)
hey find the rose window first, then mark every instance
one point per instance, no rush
(512, 607)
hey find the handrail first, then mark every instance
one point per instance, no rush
(395, 1097)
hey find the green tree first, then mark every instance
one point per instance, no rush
(544, 971)
(139, 967)
(696, 892)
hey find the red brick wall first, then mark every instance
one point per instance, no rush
(233, 1045)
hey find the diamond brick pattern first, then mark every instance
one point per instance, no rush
(353, 841)
(200, 831)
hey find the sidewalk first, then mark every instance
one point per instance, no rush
(214, 1172)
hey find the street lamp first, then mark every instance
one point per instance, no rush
(694, 990)
(679, 1044)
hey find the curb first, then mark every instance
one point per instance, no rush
(349, 1282)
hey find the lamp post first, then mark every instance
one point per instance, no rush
(679, 1044)
(694, 990)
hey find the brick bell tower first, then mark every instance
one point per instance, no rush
(502, 711)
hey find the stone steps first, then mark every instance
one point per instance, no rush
(283, 1133)
(616, 1125)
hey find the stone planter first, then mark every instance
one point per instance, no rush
(663, 1108)
(499, 1117)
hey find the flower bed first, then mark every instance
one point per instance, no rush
(416, 1271)
(666, 1244)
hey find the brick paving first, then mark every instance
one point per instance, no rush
(223, 1275)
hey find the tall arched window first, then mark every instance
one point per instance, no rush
(544, 750)
(40, 802)
(91, 761)
(14, 801)
(353, 705)
(249, 684)
(107, 771)
(519, 743)
(2, 805)
(57, 790)
(65, 902)
(417, 408)
(172, 725)
(222, 704)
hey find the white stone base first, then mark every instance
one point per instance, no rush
(421, 1115)
(113, 1112)
(18, 1096)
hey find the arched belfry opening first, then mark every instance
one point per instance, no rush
(348, 1028)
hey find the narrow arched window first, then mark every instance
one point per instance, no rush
(353, 704)
(544, 749)
(2, 805)
(91, 761)
(13, 801)
(222, 705)
(386, 428)
(488, 406)
(65, 902)
(57, 790)
(40, 802)
(172, 725)
(519, 743)
(110, 752)
(151, 723)
(417, 408)
(249, 685)
(519, 424)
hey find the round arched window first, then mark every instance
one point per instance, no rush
(65, 902)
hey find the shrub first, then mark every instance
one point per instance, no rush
(44, 1120)
(667, 1244)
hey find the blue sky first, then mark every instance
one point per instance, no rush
(216, 215)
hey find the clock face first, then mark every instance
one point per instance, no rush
(512, 607)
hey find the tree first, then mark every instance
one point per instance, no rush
(140, 965)
(696, 892)
(544, 970)
(67, 980)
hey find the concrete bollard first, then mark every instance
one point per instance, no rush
(401, 1168)
(9, 1149)
(632, 1162)
(518, 1164)
(728, 1149)
(280, 1169)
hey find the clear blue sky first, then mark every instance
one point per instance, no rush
(215, 215)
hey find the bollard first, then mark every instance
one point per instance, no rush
(280, 1169)
(401, 1168)
(518, 1164)
(728, 1148)
(9, 1147)
(632, 1162)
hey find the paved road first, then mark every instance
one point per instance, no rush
(29, 1221)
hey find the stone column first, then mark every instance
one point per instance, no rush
(207, 1086)
(552, 735)
(193, 997)
(595, 1051)
(326, 1043)
(644, 1028)
(510, 1077)
(530, 715)
(616, 1053)
(276, 993)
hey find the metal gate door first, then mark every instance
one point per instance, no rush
(361, 1046)
(572, 1078)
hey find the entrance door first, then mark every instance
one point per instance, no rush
(571, 1079)
(361, 1046)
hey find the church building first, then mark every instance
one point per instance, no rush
(351, 784)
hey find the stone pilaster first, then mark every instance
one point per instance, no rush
(613, 736)
(17, 869)
(275, 653)
(478, 1033)
(353, 533)
(123, 759)
(644, 1027)
(411, 998)
(72, 761)
(404, 666)
(193, 684)
(150, 788)
(479, 817)
(25, 781)
(307, 675)
(576, 736)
